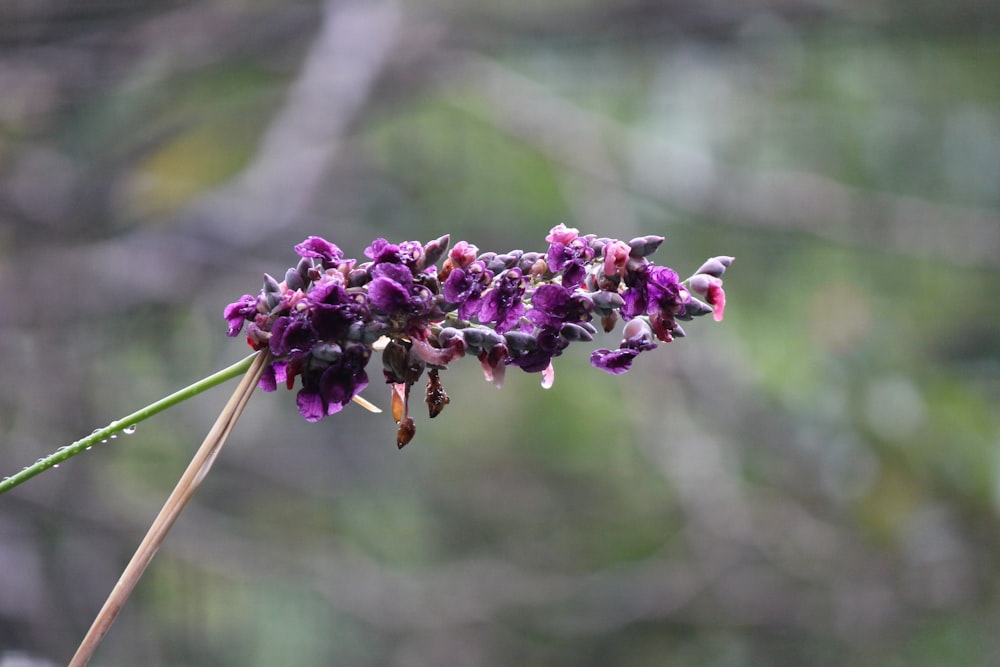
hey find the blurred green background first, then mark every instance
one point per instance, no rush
(814, 481)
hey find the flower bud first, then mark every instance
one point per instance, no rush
(695, 308)
(519, 341)
(272, 292)
(366, 333)
(448, 334)
(539, 268)
(434, 251)
(463, 254)
(644, 246)
(597, 244)
(358, 277)
(328, 352)
(481, 338)
(498, 263)
(606, 301)
(511, 259)
(271, 285)
(303, 268)
(575, 333)
(638, 335)
(716, 266)
(528, 260)
(293, 280)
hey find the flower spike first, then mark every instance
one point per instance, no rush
(324, 320)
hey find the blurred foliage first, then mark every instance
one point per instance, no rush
(814, 481)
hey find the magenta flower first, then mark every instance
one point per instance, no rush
(319, 248)
(502, 306)
(465, 286)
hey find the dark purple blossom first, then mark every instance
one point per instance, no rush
(334, 311)
(393, 291)
(327, 386)
(570, 259)
(665, 292)
(320, 248)
(639, 337)
(408, 252)
(554, 305)
(502, 306)
(615, 362)
(291, 335)
(465, 287)
(239, 312)
(536, 357)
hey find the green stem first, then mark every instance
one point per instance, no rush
(125, 423)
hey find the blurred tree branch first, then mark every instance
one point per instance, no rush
(776, 201)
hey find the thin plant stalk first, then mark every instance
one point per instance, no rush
(179, 497)
(126, 424)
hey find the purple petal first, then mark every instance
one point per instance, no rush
(382, 251)
(550, 298)
(573, 274)
(310, 405)
(238, 312)
(387, 295)
(315, 246)
(267, 379)
(615, 362)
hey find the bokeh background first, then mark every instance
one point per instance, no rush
(814, 481)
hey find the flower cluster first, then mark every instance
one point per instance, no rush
(324, 320)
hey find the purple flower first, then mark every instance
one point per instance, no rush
(393, 291)
(517, 308)
(570, 259)
(465, 287)
(615, 362)
(536, 356)
(269, 378)
(665, 292)
(638, 338)
(238, 312)
(328, 386)
(554, 305)
(408, 252)
(502, 305)
(291, 336)
(334, 311)
(320, 248)
(654, 290)
(636, 295)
